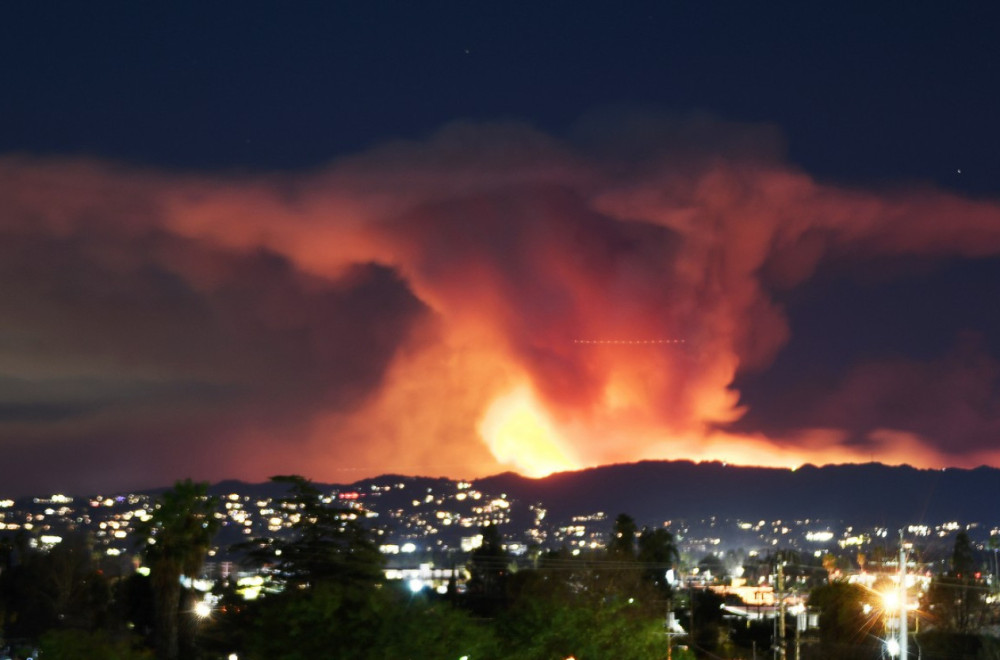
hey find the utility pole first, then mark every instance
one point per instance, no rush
(670, 625)
(903, 636)
(670, 616)
(781, 609)
(798, 635)
(691, 606)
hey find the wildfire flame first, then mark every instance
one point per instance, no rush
(520, 434)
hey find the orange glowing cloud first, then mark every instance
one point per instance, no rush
(489, 298)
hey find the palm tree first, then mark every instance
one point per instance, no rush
(176, 538)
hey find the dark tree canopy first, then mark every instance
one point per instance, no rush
(658, 554)
(489, 568)
(175, 541)
(59, 588)
(621, 545)
(963, 559)
(327, 544)
(956, 601)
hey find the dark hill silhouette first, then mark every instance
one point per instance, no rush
(870, 493)
(656, 491)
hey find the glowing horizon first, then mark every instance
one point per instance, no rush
(490, 298)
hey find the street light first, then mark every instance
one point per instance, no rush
(202, 609)
(903, 633)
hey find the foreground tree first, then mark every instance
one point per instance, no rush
(98, 645)
(61, 587)
(706, 632)
(489, 569)
(621, 544)
(658, 553)
(327, 543)
(618, 573)
(851, 621)
(957, 599)
(421, 627)
(328, 596)
(175, 541)
(555, 613)
(944, 644)
(332, 622)
(330, 600)
(608, 603)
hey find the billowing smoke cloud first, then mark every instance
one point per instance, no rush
(489, 298)
(950, 404)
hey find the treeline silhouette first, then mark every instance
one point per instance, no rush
(326, 597)
(326, 594)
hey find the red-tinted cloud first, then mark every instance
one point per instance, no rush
(949, 405)
(487, 298)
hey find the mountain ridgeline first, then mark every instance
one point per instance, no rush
(655, 491)
(864, 494)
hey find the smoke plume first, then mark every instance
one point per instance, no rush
(488, 298)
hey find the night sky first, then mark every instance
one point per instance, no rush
(451, 239)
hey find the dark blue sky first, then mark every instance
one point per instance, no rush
(878, 98)
(872, 92)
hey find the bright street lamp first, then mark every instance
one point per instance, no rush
(202, 609)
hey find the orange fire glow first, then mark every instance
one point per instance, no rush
(520, 434)
(414, 309)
